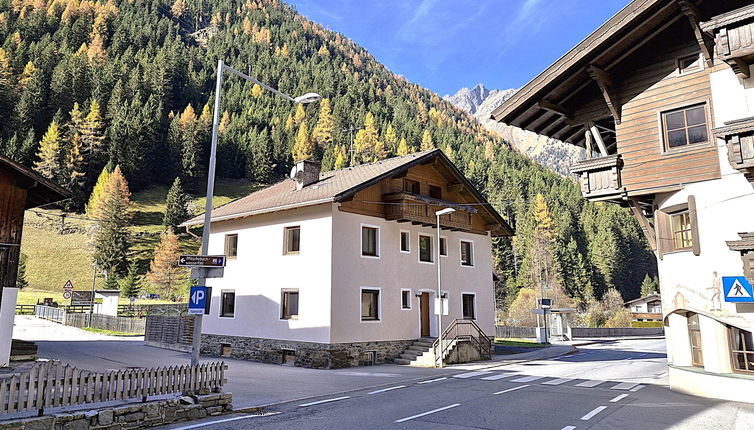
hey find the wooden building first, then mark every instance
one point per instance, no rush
(662, 98)
(20, 189)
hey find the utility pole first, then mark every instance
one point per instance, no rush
(350, 131)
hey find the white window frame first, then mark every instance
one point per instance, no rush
(410, 299)
(447, 248)
(379, 305)
(419, 248)
(460, 253)
(680, 72)
(472, 293)
(377, 241)
(220, 310)
(285, 239)
(280, 311)
(400, 241)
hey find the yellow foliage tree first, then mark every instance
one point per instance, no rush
(300, 114)
(324, 132)
(403, 148)
(50, 154)
(341, 159)
(256, 90)
(179, 8)
(519, 312)
(303, 149)
(391, 139)
(366, 139)
(96, 197)
(427, 143)
(164, 272)
(26, 75)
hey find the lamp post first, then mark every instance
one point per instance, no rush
(438, 214)
(222, 68)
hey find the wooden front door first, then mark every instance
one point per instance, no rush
(424, 306)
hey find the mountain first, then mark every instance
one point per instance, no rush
(86, 84)
(480, 102)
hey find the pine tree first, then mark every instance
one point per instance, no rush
(111, 282)
(323, 134)
(50, 154)
(366, 139)
(93, 138)
(21, 280)
(26, 75)
(391, 140)
(427, 143)
(6, 87)
(403, 148)
(176, 210)
(131, 284)
(75, 166)
(110, 236)
(303, 149)
(191, 150)
(649, 285)
(103, 180)
(164, 272)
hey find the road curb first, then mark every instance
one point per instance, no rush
(598, 341)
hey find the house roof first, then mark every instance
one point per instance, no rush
(40, 190)
(339, 185)
(643, 299)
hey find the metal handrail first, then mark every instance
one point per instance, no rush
(445, 342)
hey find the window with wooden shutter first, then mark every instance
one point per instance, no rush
(695, 243)
(677, 228)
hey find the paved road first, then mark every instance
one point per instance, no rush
(608, 386)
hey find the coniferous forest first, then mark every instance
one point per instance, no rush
(89, 84)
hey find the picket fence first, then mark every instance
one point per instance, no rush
(51, 385)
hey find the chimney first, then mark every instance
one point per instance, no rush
(307, 172)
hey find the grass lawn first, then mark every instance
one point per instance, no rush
(54, 258)
(521, 343)
(108, 332)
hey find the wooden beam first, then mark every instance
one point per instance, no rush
(595, 132)
(491, 227)
(455, 188)
(588, 144)
(646, 227)
(570, 133)
(555, 108)
(532, 119)
(605, 81)
(559, 120)
(704, 40)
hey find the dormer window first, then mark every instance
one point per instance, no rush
(411, 186)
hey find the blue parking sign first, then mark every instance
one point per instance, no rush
(737, 289)
(197, 300)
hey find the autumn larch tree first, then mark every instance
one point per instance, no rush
(164, 272)
(50, 154)
(302, 146)
(366, 140)
(323, 134)
(427, 143)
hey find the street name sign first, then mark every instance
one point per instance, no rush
(201, 261)
(197, 300)
(737, 289)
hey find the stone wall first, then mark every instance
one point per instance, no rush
(303, 354)
(133, 416)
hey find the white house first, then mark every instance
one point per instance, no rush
(337, 268)
(662, 98)
(647, 308)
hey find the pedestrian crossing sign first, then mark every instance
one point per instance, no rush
(737, 289)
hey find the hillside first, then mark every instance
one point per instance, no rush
(480, 102)
(131, 82)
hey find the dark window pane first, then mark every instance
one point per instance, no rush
(677, 138)
(404, 241)
(425, 248)
(739, 361)
(369, 303)
(406, 299)
(698, 134)
(443, 246)
(468, 306)
(695, 116)
(435, 192)
(466, 254)
(675, 120)
(369, 241)
(231, 245)
(410, 186)
(750, 362)
(228, 304)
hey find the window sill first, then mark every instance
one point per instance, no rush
(426, 262)
(373, 257)
(292, 253)
(405, 309)
(669, 152)
(467, 265)
(289, 319)
(371, 321)
(230, 317)
(405, 252)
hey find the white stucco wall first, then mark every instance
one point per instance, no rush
(7, 315)
(261, 271)
(394, 270)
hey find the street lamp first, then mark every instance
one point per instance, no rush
(446, 211)
(221, 68)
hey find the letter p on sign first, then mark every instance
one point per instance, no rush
(197, 300)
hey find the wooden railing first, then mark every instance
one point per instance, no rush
(600, 178)
(51, 385)
(421, 210)
(461, 330)
(133, 311)
(25, 309)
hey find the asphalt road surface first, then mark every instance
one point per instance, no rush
(620, 385)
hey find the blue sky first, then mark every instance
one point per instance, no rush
(448, 44)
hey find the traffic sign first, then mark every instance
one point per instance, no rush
(67, 294)
(68, 285)
(737, 289)
(197, 300)
(201, 261)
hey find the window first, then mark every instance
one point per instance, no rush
(405, 299)
(370, 305)
(695, 339)
(425, 248)
(685, 126)
(742, 348)
(292, 240)
(228, 304)
(289, 303)
(405, 241)
(467, 253)
(435, 192)
(369, 238)
(467, 301)
(231, 246)
(681, 225)
(411, 186)
(689, 64)
(443, 247)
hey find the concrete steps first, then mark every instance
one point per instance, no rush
(418, 353)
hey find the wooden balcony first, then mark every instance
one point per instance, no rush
(421, 210)
(733, 33)
(599, 178)
(739, 137)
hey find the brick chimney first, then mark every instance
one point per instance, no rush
(307, 172)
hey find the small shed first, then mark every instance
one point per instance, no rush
(109, 305)
(20, 188)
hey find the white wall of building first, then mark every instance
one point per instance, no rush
(7, 315)
(394, 270)
(261, 271)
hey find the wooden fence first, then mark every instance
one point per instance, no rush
(169, 331)
(504, 331)
(98, 321)
(579, 332)
(51, 385)
(132, 311)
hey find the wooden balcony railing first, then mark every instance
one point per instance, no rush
(418, 209)
(739, 137)
(599, 178)
(733, 41)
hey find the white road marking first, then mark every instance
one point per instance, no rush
(428, 413)
(387, 389)
(568, 428)
(589, 384)
(594, 412)
(624, 386)
(527, 379)
(618, 398)
(636, 388)
(498, 376)
(432, 380)
(324, 401)
(471, 374)
(511, 389)
(557, 381)
(209, 423)
(574, 373)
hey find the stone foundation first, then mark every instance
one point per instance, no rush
(133, 416)
(303, 354)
